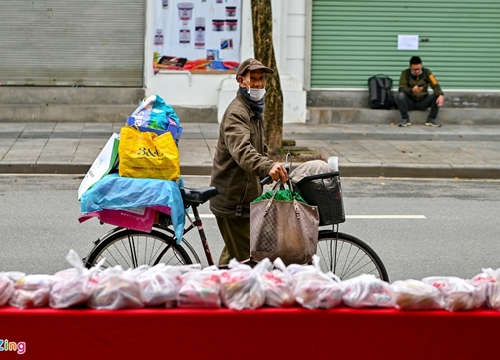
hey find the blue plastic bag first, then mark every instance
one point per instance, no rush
(154, 113)
(115, 193)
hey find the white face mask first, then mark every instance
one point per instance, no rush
(255, 94)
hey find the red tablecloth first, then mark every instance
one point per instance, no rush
(295, 333)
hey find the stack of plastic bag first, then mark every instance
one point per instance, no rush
(313, 288)
(279, 286)
(416, 295)
(75, 285)
(491, 279)
(235, 285)
(32, 291)
(200, 289)
(116, 289)
(366, 291)
(459, 294)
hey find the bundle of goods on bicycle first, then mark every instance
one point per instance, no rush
(153, 114)
(144, 152)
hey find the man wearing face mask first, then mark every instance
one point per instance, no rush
(413, 94)
(240, 161)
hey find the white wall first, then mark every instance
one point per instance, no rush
(217, 90)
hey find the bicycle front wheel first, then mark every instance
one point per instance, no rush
(347, 256)
(131, 248)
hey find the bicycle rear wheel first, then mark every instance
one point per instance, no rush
(131, 248)
(347, 256)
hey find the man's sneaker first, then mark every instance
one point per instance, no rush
(432, 122)
(405, 122)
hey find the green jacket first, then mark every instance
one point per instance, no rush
(240, 160)
(407, 81)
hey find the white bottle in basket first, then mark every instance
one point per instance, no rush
(333, 161)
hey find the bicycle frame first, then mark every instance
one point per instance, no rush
(199, 225)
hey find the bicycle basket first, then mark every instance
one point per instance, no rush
(325, 192)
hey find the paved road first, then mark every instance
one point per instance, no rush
(419, 227)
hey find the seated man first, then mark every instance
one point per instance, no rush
(413, 94)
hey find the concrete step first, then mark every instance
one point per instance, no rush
(345, 115)
(42, 95)
(359, 99)
(89, 104)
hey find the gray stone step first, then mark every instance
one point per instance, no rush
(42, 95)
(89, 104)
(345, 115)
(359, 99)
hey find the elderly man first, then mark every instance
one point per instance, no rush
(241, 159)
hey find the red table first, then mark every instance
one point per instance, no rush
(342, 333)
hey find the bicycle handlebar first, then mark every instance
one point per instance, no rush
(268, 178)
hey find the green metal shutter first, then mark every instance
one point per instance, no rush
(67, 42)
(353, 40)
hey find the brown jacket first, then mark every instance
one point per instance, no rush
(239, 160)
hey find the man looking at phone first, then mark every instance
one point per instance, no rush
(413, 94)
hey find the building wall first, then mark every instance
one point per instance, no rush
(217, 90)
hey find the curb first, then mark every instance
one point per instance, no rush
(346, 170)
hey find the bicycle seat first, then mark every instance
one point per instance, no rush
(195, 197)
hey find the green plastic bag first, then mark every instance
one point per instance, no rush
(283, 195)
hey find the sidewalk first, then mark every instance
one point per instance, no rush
(368, 150)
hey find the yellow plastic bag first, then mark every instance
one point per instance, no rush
(148, 155)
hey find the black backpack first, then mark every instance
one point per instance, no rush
(380, 92)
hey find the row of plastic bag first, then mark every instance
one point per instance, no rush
(240, 287)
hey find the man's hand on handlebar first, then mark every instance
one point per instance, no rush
(278, 172)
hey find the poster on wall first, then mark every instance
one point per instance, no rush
(197, 35)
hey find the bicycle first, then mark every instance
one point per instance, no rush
(343, 254)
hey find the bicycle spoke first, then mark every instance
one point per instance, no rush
(130, 249)
(346, 257)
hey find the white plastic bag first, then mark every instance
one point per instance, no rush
(7, 280)
(366, 290)
(279, 285)
(75, 285)
(161, 283)
(200, 289)
(491, 278)
(32, 291)
(459, 294)
(116, 289)
(313, 288)
(257, 286)
(235, 286)
(416, 295)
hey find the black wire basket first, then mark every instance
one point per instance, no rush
(325, 192)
